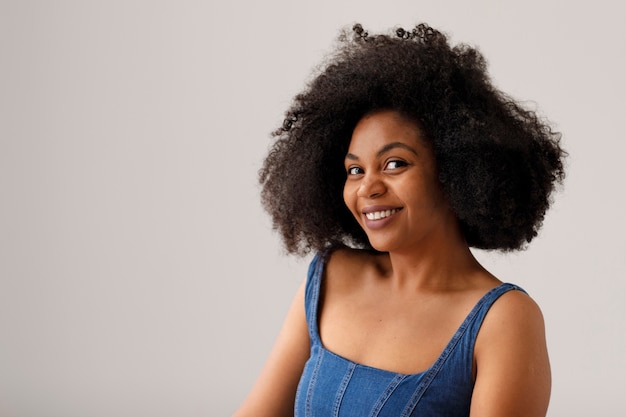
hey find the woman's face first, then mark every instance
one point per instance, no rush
(391, 186)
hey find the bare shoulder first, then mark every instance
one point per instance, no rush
(346, 259)
(347, 275)
(512, 365)
(514, 322)
(514, 311)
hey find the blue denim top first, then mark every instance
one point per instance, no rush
(335, 386)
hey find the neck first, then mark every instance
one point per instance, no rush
(442, 262)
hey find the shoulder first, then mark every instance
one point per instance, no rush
(349, 262)
(513, 311)
(344, 256)
(512, 364)
(346, 270)
(513, 316)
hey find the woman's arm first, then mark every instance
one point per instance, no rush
(512, 366)
(274, 392)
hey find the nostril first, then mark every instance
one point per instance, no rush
(372, 189)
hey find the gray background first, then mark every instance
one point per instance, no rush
(138, 273)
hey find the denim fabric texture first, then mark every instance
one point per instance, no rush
(333, 386)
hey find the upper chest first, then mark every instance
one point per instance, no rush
(374, 327)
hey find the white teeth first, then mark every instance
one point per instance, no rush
(377, 215)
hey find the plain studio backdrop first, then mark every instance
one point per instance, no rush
(139, 275)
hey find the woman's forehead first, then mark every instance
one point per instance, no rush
(380, 130)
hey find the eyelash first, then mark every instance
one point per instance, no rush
(398, 162)
(352, 169)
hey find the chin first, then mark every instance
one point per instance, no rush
(381, 245)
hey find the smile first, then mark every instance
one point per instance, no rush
(377, 215)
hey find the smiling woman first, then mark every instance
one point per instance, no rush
(392, 188)
(397, 158)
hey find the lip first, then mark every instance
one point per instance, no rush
(379, 223)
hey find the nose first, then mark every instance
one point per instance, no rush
(371, 187)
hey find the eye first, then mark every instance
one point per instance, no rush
(354, 170)
(395, 164)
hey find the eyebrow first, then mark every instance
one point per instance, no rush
(385, 149)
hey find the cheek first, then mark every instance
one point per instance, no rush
(348, 197)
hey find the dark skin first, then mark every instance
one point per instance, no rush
(397, 309)
(497, 162)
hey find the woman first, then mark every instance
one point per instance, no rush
(395, 160)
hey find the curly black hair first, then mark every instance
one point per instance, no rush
(497, 162)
